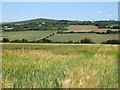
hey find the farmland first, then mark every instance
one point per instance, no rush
(59, 66)
(55, 31)
(32, 59)
(97, 38)
(29, 35)
(57, 37)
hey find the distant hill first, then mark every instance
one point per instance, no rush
(50, 24)
(35, 24)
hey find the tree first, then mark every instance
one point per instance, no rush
(86, 40)
(24, 41)
(16, 41)
(46, 40)
(70, 41)
(5, 40)
(76, 42)
(109, 32)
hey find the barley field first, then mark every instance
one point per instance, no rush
(59, 66)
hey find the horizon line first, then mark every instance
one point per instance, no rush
(55, 19)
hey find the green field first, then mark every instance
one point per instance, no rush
(97, 38)
(36, 35)
(29, 35)
(55, 65)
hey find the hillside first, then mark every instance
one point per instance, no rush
(35, 25)
(50, 24)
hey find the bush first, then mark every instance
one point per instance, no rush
(19, 41)
(16, 41)
(53, 34)
(76, 42)
(71, 31)
(109, 32)
(86, 40)
(5, 40)
(24, 41)
(70, 41)
(60, 32)
(46, 40)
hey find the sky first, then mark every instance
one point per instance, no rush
(82, 11)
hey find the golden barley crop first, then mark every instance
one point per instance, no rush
(59, 66)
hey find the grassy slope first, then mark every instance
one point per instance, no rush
(29, 35)
(60, 66)
(98, 38)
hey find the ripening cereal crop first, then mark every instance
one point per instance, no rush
(59, 66)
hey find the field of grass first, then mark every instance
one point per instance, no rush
(97, 38)
(29, 35)
(55, 65)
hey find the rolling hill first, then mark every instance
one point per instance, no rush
(50, 24)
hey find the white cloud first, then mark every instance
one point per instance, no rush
(99, 12)
(109, 15)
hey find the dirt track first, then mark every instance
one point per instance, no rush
(54, 44)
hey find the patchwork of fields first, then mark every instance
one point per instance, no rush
(64, 66)
(37, 35)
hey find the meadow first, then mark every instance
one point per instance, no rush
(59, 66)
(97, 38)
(29, 35)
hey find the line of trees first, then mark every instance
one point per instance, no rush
(112, 42)
(107, 32)
(44, 40)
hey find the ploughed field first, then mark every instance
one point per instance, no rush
(59, 65)
(86, 28)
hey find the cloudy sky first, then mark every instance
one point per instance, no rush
(18, 11)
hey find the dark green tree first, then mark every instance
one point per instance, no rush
(86, 40)
(5, 40)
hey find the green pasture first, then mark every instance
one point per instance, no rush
(97, 38)
(29, 35)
